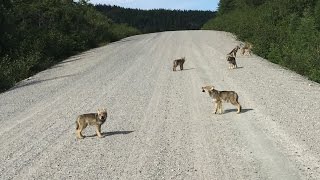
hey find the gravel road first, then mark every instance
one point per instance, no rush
(160, 124)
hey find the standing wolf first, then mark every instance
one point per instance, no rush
(247, 49)
(234, 51)
(95, 119)
(232, 62)
(222, 96)
(178, 62)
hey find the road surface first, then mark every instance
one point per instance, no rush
(160, 124)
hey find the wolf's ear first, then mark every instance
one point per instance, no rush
(212, 87)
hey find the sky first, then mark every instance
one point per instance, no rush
(164, 4)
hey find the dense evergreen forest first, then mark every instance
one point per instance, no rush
(157, 20)
(35, 34)
(286, 32)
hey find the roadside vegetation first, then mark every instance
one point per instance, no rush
(286, 32)
(36, 34)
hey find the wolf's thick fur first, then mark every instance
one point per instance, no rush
(178, 62)
(95, 119)
(232, 62)
(234, 51)
(222, 96)
(247, 48)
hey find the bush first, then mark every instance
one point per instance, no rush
(119, 31)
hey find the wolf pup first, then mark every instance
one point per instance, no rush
(95, 119)
(234, 51)
(178, 62)
(247, 49)
(222, 96)
(232, 62)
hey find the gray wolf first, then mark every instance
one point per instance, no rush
(219, 97)
(178, 62)
(94, 119)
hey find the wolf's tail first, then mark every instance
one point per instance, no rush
(236, 97)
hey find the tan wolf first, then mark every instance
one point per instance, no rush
(222, 96)
(95, 119)
(247, 49)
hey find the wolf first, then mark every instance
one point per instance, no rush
(232, 62)
(247, 49)
(94, 119)
(222, 96)
(178, 62)
(234, 51)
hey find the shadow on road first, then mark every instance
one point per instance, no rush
(188, 69)
(29, 83)
(104, 134)
(235, 110)
(116, 132)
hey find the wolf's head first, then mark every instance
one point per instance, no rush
(102, 114)
(207, 88)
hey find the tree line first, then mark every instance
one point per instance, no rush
(286, 32)
(157, 20)
(35, 34)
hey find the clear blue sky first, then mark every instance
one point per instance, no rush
(165, 4)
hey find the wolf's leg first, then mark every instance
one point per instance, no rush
(98, 130)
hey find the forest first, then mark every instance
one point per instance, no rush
(157, 20)
(36, 34)
(285, 32)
